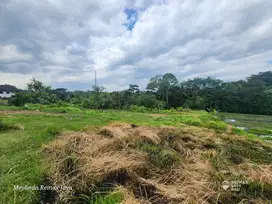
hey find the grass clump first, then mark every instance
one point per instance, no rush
(102, 198)
(258, 190)
(251, 150)
(50, 133)
(238, 151)
(158, 156)
(6, 127)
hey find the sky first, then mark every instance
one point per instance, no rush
(63, 42)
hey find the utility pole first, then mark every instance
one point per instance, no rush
(95, 83)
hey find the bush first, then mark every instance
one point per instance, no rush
(141, 109)
(19, 99)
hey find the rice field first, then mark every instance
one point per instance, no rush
(256, 124)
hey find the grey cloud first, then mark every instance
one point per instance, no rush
(189, 38)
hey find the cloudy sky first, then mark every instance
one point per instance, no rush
(62, 42)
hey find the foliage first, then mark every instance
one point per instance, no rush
(20, 99)
(253, 95)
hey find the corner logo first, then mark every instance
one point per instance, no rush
(225, 185)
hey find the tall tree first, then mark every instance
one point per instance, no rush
(161, 84)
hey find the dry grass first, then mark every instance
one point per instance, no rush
(127, 156)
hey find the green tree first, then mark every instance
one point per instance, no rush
(19, 99)
(147, 100)
(161, 84)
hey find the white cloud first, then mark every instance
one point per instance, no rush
(10, 53)
(19, 80)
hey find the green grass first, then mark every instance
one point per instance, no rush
(159, 156)
(3, 102)
(21, 161)
(114, 197)
(260, 131)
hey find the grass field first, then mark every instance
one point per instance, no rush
(24, 132)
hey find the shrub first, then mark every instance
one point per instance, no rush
(141, 109)
(19, 99)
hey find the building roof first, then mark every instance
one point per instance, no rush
(7, 87)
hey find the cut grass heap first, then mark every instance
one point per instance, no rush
(4, 127)
(138, 164)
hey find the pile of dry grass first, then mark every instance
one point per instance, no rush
(151, 165)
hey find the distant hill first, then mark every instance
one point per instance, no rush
(8, 88)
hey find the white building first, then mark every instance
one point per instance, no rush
(6, 91)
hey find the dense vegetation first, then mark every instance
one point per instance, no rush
(252, 96)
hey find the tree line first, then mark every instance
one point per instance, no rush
(252, 95)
